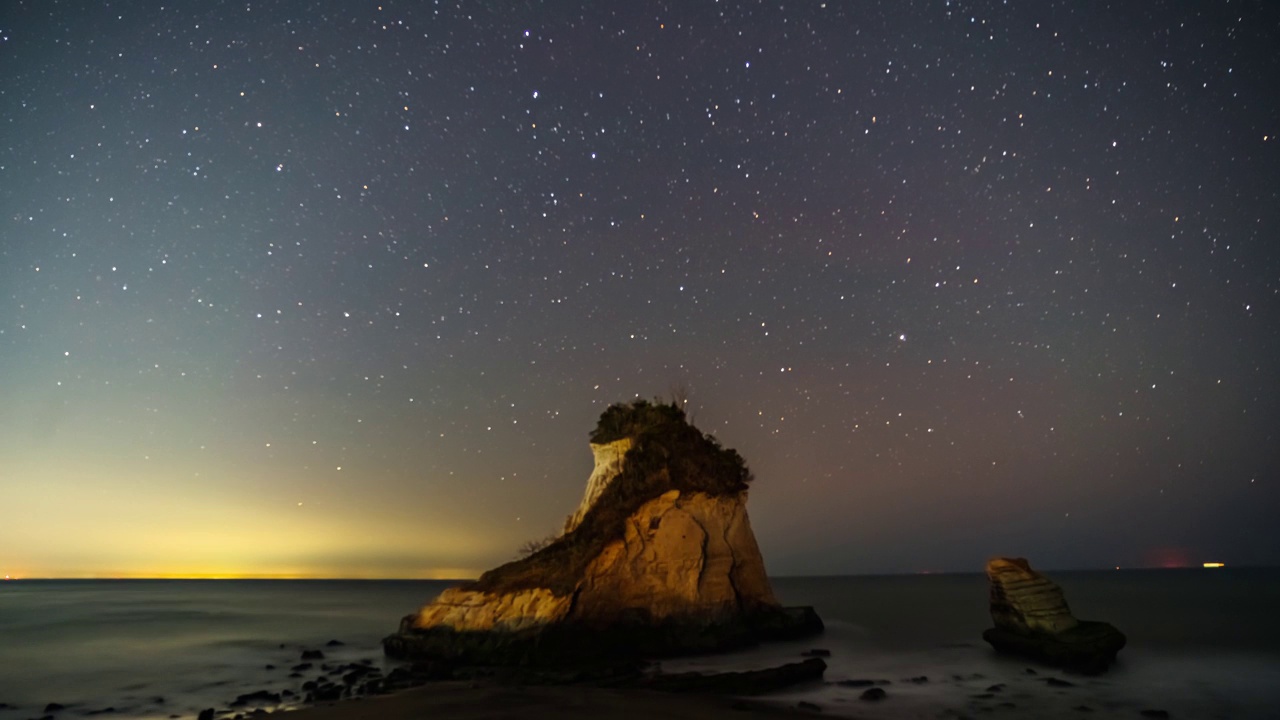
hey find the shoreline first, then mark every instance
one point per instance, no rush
(467, 700)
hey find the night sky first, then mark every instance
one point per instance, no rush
(339, 289)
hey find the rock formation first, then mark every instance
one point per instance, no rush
(1032, 620)
(608, 465)
(658, 560)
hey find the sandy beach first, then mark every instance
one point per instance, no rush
(476, 701)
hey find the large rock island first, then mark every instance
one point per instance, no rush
(658, 560)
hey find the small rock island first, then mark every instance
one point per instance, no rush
(1032, 620)
(658, 560)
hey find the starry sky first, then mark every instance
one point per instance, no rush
(339, 289)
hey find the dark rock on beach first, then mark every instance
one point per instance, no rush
(816, 652)
(1032, 620)
(54, 707)
(256, 697)
(334, 643)
(312, 655)
(206, 714)
(874, 694)
(860, 682)
(750, 682)
(659, 559)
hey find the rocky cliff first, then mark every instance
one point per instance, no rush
(658, 559)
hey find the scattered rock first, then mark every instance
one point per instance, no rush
(1032, 620)
(54, 707)
(326, 693)
(312, 655)
(334, 643)
(1155, 714)
(254, 697)
(918, 680)
(1055, 682)
(996, 688)
(103, 711)
(206, 714)
(301, 666)
(811, 707)
(983, 696)
(874, 694)
(816, 652)
(1029, 671)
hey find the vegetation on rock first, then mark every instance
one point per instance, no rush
(667, 453)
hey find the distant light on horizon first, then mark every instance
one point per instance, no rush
(1215, 564)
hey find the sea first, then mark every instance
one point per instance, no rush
(1202, 644)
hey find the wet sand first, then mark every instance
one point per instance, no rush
(478, 701)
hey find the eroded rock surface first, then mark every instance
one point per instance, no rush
(1024, 600)
(681, 554)
(608, 465)
(1032, 620)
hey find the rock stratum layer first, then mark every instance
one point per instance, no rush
(658, 560)
(1032, 620)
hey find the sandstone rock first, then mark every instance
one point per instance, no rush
(1032, 620)
(608, 465)
(1024, 599)
(658, 559)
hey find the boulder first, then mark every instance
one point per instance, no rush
(1032, 620)
(659, 559)
(746, 682)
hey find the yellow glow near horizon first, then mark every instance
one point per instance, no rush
(1215, 564)
(426, 574)
(146, 526)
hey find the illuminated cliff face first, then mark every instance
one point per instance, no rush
(682, 555)
(608, 465)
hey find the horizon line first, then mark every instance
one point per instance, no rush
(899, 573)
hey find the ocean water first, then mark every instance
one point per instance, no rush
(1202, 644)
(157, 648)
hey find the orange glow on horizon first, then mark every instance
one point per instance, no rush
(1215, 564)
